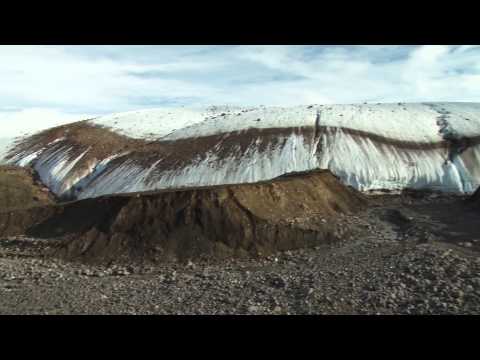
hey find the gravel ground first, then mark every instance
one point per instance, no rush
(398, 265)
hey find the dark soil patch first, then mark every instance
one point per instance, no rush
(475, 199)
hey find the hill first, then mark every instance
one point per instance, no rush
(299, 210)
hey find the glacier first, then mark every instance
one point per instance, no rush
(430, 146)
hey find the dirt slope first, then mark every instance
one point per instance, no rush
(299, 210)
(19, 189)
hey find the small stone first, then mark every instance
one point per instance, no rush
(278, 282)
(121, 272)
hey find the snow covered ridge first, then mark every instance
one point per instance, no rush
(371, 146)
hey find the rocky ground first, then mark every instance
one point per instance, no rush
(409, 255)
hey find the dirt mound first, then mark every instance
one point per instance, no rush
(20, 189)
(300, 210)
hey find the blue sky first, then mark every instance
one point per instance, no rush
(65, 83)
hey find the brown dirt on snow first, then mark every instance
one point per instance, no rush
(299, 210)
(101, 143)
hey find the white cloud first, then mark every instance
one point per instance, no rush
(63, 83)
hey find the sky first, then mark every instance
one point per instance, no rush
(42, 86)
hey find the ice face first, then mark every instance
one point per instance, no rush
(369, 146)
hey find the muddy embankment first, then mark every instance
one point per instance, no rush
(20, 188)
(292, 211)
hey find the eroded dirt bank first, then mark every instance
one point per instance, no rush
(290, 212)
(408, 255)
(20, 188)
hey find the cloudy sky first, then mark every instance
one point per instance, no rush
(55, 84)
